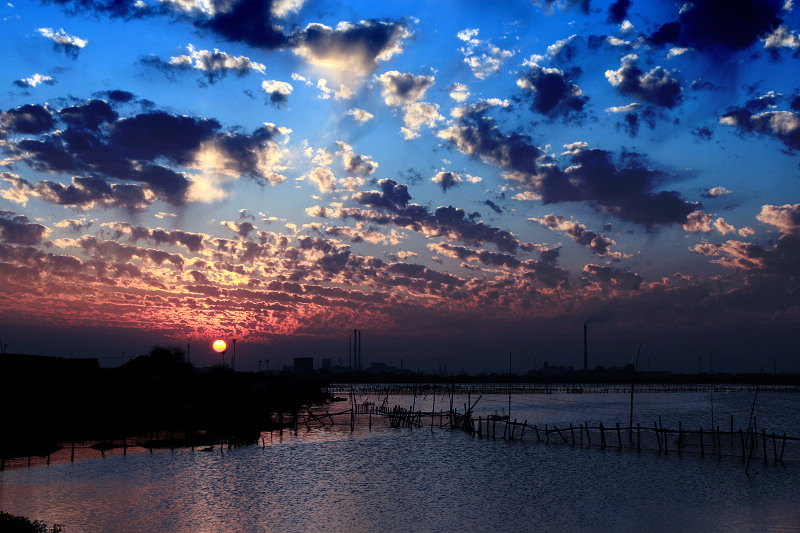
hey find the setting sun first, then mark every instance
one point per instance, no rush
(219, 345)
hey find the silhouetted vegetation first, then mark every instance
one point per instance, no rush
(51, 400)
(10, 523)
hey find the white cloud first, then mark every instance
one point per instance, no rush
(360, 115)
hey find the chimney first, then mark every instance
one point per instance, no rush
(585, 351)
(359, 350)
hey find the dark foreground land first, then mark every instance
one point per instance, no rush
(48, 400)
(159, 400)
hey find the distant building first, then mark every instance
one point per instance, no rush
(327, 363)
(303, 365)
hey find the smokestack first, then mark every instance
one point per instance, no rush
(585, 351)
(359, 349)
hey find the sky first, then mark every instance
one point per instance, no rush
(460, 181)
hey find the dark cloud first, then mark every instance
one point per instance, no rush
(117, 95)
(132, 149)
(445, 180)
(277, 98)
(17, 229)
(703, 132)
(618, 11)
(782, 125)
(399, 89)
(448, 221)
(246, 21)
(351, 47)
(720, 25)
(552, 94)
(479, 137)
(392, 196)
(82, 193)
(609, 278)
(582, 5)
(633, 120)
(656, 87)
(29, 118)
(624, 190)
(493, 206)
(356, 164)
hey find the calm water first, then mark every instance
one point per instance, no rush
(329, 479)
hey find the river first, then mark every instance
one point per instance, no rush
(381, 479)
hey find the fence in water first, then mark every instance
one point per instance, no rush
(749, 444)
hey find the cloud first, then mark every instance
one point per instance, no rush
(783, 125)
(493, 206)
(698, 222)
(82, 193)
(216, 64)
(478, 136)
(656, 87)
(324, 178)
(618, 11)
(27, 119)
(448, 221)
(278, 91)
(405, 90)
(417, 115)
(64, 42)
(284, 8)
(33, 81)
(782, 259)
(482, 57)
(599, 244)
(547, 5)
(610, 279)
(139, 148)
(246, 21)
(360, 115)
(625, 191)
(459, 92)
(720, 25)
(355, 164)
(786, 217)
(445, 180)
(715, 192)
(400, 89)
(551, 92)
(16, 229)
(782, 37)
(354, 48)
(193, 242)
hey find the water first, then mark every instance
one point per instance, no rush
(329, 479)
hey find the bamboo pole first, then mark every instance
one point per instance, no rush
(702, 449)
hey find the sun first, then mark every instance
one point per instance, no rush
(219, 345)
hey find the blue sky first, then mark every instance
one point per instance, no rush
(456, 179)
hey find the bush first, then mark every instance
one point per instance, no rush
(19, 524)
